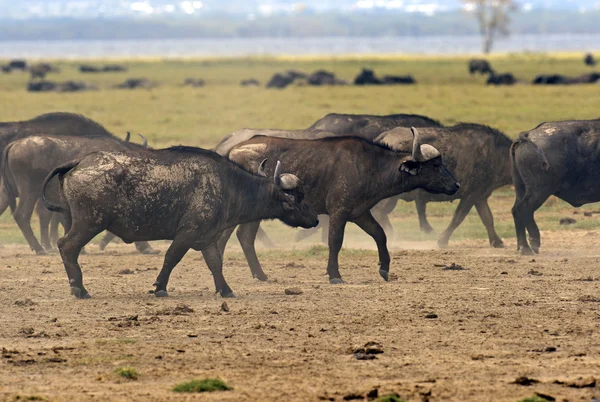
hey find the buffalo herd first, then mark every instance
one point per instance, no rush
(343, 168)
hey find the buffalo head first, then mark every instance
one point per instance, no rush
(427, 166)
(296, 212)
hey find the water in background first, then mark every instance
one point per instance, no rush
(332, 46)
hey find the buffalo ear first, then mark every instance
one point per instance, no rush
(410, 166)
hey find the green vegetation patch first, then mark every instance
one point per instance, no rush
(129, 373)
(204, 385)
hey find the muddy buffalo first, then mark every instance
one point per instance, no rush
(344, 178)
(560, 159)
(187, 195)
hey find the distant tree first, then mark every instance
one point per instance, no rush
(493, 18)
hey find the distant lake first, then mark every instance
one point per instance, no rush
(334, 46)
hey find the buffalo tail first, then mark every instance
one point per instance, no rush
(61, 171)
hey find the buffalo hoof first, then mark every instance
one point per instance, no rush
(497, 243)
(261, 277)
(229, 295)
(442, 243)
(427, 229)
(336, 281)
(526, 251)
(40, 252)
(149, 251)
(80, 293)
(51, 251)
(161, 293)
(384, 274)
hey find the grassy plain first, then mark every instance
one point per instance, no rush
(172, 114)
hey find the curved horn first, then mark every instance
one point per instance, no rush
(127, 137)
(144, 141)
(261, 168)
(416, 151)
(277, 175)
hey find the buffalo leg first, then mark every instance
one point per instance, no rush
(367, 223)
(262, 236)
(45, 219)
(337, 226)
(246, 234)
(70, 247)
(222, 242)
(323, 226)
(523, 214)
(306, 233)
(108, 237)
(422, 212)
(145, 248)
(54, 222)
(382, 212)
(174, 254)
(483, 209)
(212, 257)
(462, 210)
(23, 217)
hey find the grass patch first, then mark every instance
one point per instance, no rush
(205, 385)
(390, 398)
(129, 373)
(534, 398)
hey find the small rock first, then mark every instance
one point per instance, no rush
(373, 394)
(353, 397)
(550, 349)
(192, 335)
(534, 272)
(567, 221)
(364, 356)
(293, 291)
(431, 316)
(525, 381)
(25, 303)
(503, 273)
(224, 307)
(126, 271)
(453, 267)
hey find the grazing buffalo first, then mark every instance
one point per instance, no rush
(479, 158)
(194, 82)
(187, 195)
(23, 172)
(501, 79)
(344, 178)
(134, 83)
(18, 65)
(560, 159)
(480, 66)
(40, 70)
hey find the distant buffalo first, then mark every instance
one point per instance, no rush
(589, 60)
(6, 69)
(250, 83)
(18, 65)
(134, 83)
(193, 82)
(41, 69)
(280, 81)
(368, 77)
(89, 69)
(501, 79)
(322, 77)
(67, 86)
(480, 66)
(558, 79)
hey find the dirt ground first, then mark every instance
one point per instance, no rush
(446, 334)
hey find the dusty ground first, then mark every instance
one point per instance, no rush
(500, 318)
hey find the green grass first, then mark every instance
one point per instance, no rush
(171, 114)
(389, 398)
(534, 398)
(205, 385)
(128, 373)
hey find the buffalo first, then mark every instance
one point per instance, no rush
(184, 194)
(18, 64)
(501, 79)
(23, 173)
(589, 60)
(58, 123)
(480, 66)
(557, 158)
(344, 178)
(477, 155)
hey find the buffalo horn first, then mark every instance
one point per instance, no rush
(261, 168)
(144, 141)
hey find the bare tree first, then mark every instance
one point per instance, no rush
(493, 18)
